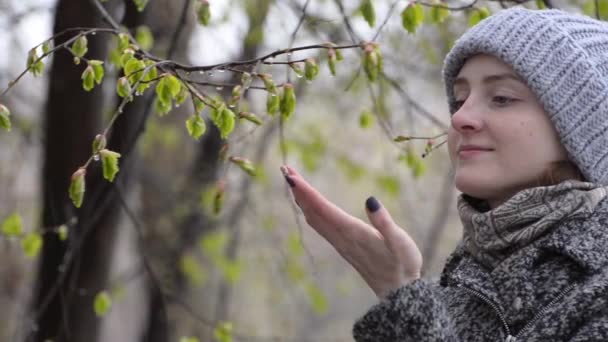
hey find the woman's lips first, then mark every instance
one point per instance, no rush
(466, 152)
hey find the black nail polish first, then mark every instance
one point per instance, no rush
(290, 181)
(372, 204)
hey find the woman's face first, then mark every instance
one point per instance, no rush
(500, 140)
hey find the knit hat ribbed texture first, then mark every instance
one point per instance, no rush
(563, 58)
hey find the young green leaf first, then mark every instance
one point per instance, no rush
(318, 300)
(5, 121)
(12, 226)
(168, 88)
(102, 303)
(77, 187)
(144, 37)
(31, 244)
(140, 4)
(311, 69)
(35, 66)
(79, 47)
(126, 56)
(412, 17)
(245, 164)
(98, 70)
(478, 15)
(123, 88)
(109, 162)
(88, 78)
(250, 117)
(288, 101)
(161, 108)
(203, 12)
(366, 119)
(368, 11)
(196, 126)
(47, 47)
(224, 120)
(134, 70)
(193, 270)
(439, 13)
(223, 332)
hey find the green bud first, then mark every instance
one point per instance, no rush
(269, 83)
(102, 303)
(77, 187)
(311, 69)
(99, 143)
(203, 13)
(123, 42)
(79, 47)
(199, 105)
(47, 47)
(250, 117)
(288, 101)
(77, 60)
(218, 198)
(246, 80)
(88, 78)
(123, 88)
(297, 69)
(245, 164)
(273, 103)
(62, 231)
(331, 61)
(370, 62)
(5, 121)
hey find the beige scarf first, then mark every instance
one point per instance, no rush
(491, 236)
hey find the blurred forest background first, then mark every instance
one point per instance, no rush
(184, 244)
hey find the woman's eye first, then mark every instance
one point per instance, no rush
(502, 100)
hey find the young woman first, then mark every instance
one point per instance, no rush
(528, 96)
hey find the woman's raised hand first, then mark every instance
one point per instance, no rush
(383, 253)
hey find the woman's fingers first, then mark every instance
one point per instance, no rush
(395, 238)
(324, 216)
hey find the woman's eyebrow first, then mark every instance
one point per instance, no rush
(491, 79)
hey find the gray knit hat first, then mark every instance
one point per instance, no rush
(563, 58)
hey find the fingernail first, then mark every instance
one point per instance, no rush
(372, 204)
(290, 181)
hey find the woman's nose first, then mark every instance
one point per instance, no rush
(467, 118)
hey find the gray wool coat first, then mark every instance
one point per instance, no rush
(555, 289)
